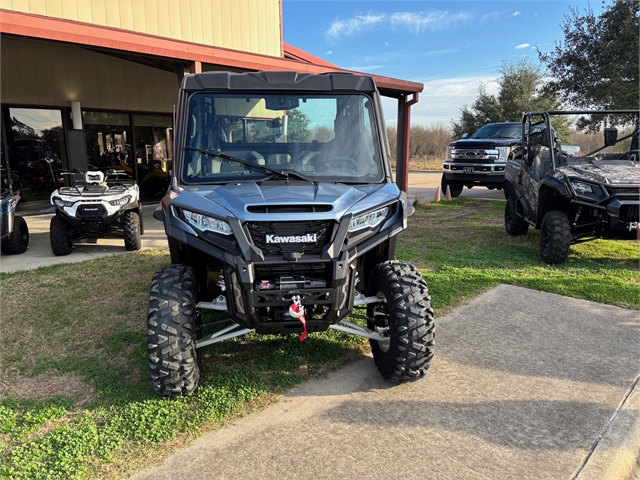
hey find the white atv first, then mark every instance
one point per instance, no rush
(99, 205)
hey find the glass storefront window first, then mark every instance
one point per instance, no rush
(108, 135)
(154, 140)
(36, 149)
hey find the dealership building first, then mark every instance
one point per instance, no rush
(92, 83)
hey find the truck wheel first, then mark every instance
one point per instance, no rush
(171, 331)
(18, 239)
(406, 317)
(555, 237)
(132, 240)
(59, 236)
(513, 223)
(455, 188)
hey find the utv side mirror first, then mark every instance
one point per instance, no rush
(610, 136)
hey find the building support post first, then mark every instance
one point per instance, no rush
(402, 151)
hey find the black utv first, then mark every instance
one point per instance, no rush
(574, 199)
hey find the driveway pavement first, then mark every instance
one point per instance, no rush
(524, 385)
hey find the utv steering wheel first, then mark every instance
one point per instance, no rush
(338, 164)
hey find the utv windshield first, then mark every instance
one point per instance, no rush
(509, 130)
(254, 137)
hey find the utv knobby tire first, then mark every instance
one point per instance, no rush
(132, 233)
(18, 240)
(555, 237)
(514, 224)
(454, 188)
(171, 331)
(61, 243)
(408, 353)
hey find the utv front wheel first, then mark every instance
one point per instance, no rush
(513, 223)
(555, 237)
(405, 316)
(171, 331)
(132, 240)
(18, 240)
(59, 236)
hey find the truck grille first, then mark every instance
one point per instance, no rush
(473, 155)
(323, 229)
(630, 213)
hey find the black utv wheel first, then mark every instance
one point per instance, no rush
(18, 239)
(132, 234)
(59, 236)
(555, 237)
(171, 331)
(454, 188)
(406, 317)
(513, 223)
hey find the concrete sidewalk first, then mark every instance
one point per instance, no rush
(524, 385)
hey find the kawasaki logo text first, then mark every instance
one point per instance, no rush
(308, 238)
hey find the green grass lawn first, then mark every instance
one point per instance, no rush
(76, 399)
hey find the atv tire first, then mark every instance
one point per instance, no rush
(171, 331)
(407, 316)
(18, 240)
(59, 236)
(132, 233)
(455, 188)
(513, 223)
(555, 237)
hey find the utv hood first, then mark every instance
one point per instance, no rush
(617, 172)
(246, 201)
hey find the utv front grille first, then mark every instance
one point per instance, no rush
(630, 213)
(289, 208)
(322, 229)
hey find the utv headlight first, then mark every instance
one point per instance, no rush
(587, 190)
(203, 222)
(60, 203)
(368, 220)
(121, 201)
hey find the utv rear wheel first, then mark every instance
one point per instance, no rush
(513, 223)
(454, 188)
(18, 240)
(171, 331)
(59, 236)
(406, 317)
(555, 237)
(132, 234)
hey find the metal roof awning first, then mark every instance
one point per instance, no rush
(55, 29)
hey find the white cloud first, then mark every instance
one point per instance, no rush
(329, 52)
(515, 14)
(490, 15)
(364, 68)
(414, 21)
(441, 100)
(356, 24)
(521, 46)
(386, 43)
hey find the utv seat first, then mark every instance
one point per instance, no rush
(248, 155)
(541, 165)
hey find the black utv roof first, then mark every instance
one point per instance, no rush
(290, 81)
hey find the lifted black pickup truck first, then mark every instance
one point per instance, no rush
(480, 160)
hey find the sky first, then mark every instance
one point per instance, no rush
(449, 46)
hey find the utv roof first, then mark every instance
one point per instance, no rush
(289, 81)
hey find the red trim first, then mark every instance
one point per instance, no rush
(303, 56)
(37, 26)
(405, 151)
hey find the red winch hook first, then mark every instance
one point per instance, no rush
(296, 310)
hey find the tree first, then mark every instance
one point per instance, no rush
(298, 126)
(596, 67)
(520, 90)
